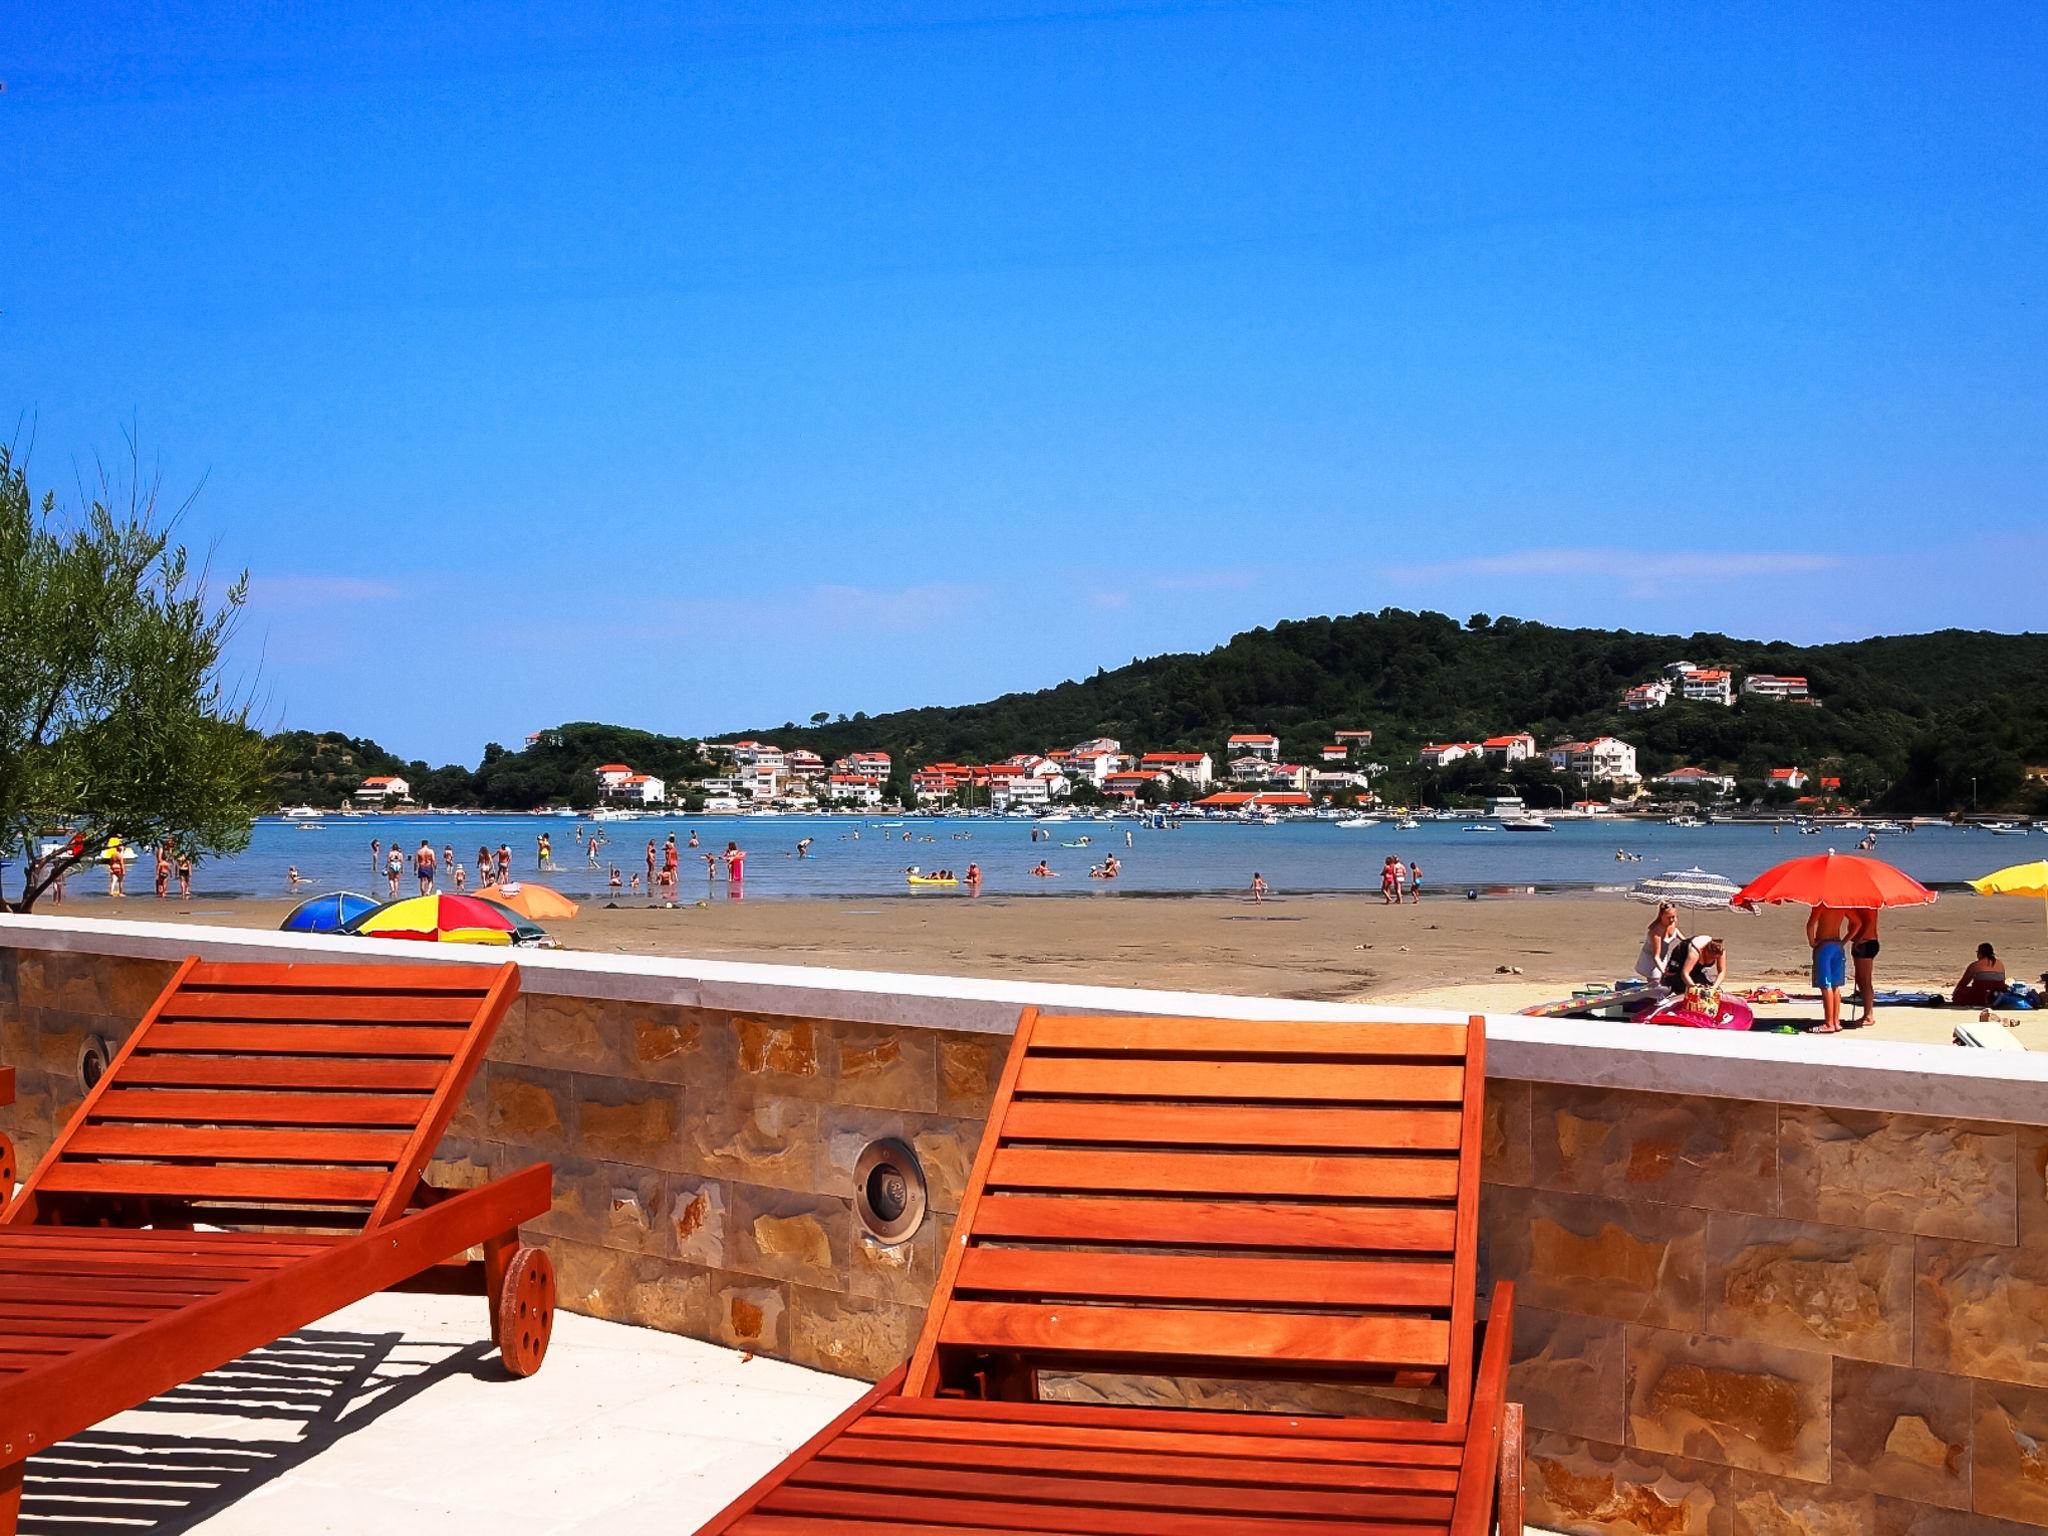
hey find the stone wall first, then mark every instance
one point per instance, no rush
(1754, 1319)
(1738, 1317)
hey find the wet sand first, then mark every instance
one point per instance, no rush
(1444, 953)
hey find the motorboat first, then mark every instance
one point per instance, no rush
(1479, 826)
(1406, 824)
(1531, 822)
(300, 813)
(2004, 829)
(1359, 821)
(1686, 821)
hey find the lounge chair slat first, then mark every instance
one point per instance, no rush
(1050, 1439)
(1217, 1224)
(404, 1076)
(1197, 1278)
(1247, 1038)
(1231, 1125)
(294, 979)
(1089, 1458)
(910, 1510)
(229, 1182)
(448, 1009)
(1156, 1078)
(1192, 1334)
(266, 1146)
(227, 1108)
(1063, 1485)
(1224, 1174)
(306, 1039)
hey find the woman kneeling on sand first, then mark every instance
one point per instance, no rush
(1696, 975)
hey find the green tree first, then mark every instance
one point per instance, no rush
(115, 724)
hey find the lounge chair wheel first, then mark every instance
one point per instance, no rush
(526, 1310)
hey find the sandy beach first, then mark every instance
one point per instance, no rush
(1444, 953)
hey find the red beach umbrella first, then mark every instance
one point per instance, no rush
(1833, 880)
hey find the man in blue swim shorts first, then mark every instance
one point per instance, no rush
(1827, 930)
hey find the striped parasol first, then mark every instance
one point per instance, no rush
(1693, 888)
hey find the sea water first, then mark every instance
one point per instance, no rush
(860, 857)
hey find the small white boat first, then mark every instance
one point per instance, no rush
(1530, 823)
(1886, 826)
(1359, 821)
(2004, 829)
(1687, 821)
(1406, 824)
(1479, 826)
(300, 813)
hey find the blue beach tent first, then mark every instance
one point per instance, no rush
(326, 914)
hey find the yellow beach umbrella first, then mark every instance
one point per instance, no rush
(2016, 880)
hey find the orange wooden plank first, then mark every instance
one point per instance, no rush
(308, 1039)
(1300, 1082)
(1217, 1223)
(413, 1076)
(1123, 1429)
(273, 1146)
(202, 1107)
(1223, 1424)
(1232, 1125)
(1153, 1333)
(227, 1182)
(908, 1510)
(1226, 1173)
(1246, 1037)
(1159, 1463)
(248, 976)
(300, 1007)
(1193, 1277)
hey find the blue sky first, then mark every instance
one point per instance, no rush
(705, 366)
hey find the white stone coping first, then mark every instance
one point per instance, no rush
(1827, 1072)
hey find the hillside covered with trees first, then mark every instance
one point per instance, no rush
(1940, 721)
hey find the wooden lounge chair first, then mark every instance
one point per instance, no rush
(249, 1162)
(1193, 1198)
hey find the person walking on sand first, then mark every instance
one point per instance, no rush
(1863, 948)
(1390, 883)
(1259, 888)
(1827, 933)
(1414, 883)
(423, 867)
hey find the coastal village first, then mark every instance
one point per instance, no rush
(1249, 772)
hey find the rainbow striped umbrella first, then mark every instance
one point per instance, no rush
(443, 919)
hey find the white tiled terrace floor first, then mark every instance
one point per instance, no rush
(392, 1417)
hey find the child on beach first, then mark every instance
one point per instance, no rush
(459, 875)
(1414, 882)
(615, 877)
(1259, 888)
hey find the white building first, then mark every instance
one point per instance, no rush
(1708, 685)
(804, 764)
(1248, 770)
(1439, 754)
(873, 765)
(1287, 776)
(1788, 778)
(1329, 780)
(1646, 696)
(1509, 749)
(1765, 685)
(1094, 761)
(1254, 744)
(1696, 781)
(384, 789)
(1604, 757)
(1197, 768)
(1023, 793)
(852, 789)
(639, 788)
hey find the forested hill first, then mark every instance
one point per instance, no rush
(1911, 722)
(1903, 712)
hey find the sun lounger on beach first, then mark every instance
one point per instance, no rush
(250, 1161)
(1193, 1198)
